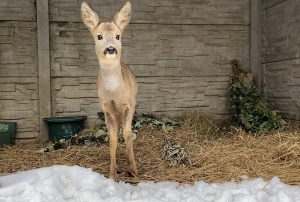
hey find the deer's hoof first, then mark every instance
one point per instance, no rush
(132, 170)
(114, 177)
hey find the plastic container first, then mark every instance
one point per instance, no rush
(64, 127)
(7, 133)
(5, 139)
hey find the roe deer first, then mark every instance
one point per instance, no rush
(117, 86)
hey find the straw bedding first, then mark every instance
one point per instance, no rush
(214, 156)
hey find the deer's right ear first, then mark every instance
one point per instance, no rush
(89, 17)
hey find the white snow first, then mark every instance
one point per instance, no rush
(77, 184)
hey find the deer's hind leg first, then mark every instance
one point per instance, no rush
(127, 121)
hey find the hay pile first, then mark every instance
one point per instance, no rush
(215, 157)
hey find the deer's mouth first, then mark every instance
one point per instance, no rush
(110, 52)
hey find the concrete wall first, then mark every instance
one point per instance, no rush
(180, 52)
(281, 55)
(18, 66)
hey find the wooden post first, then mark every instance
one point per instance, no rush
(256, 41)
(43, 66)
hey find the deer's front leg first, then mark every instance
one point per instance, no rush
(127, 120)
(113, 126)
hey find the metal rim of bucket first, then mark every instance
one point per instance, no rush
(64, 119)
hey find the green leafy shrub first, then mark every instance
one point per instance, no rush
(98, 132)
(250, 109)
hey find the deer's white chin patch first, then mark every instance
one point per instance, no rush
(110, 56)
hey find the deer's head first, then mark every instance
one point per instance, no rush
(107, 35)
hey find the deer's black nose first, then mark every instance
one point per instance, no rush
(110, 50)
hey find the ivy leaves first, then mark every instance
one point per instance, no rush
(98, 133)
(249, 107)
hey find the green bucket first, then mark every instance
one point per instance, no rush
(5, 139)
(7, 132)
(64, 127)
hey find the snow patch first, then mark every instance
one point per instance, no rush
(76, 184)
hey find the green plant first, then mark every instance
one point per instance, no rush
(250, 109)
(142, 119)
(98, 132)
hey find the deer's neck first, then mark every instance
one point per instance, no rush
(111, 76)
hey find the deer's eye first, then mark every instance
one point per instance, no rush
(118, 37)
(100, 37)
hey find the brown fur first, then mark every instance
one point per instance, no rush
(117, 86)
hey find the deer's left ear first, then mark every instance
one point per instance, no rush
(123, 16)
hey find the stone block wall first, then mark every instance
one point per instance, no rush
(18, 66)
(281, 55)
(180, 52)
